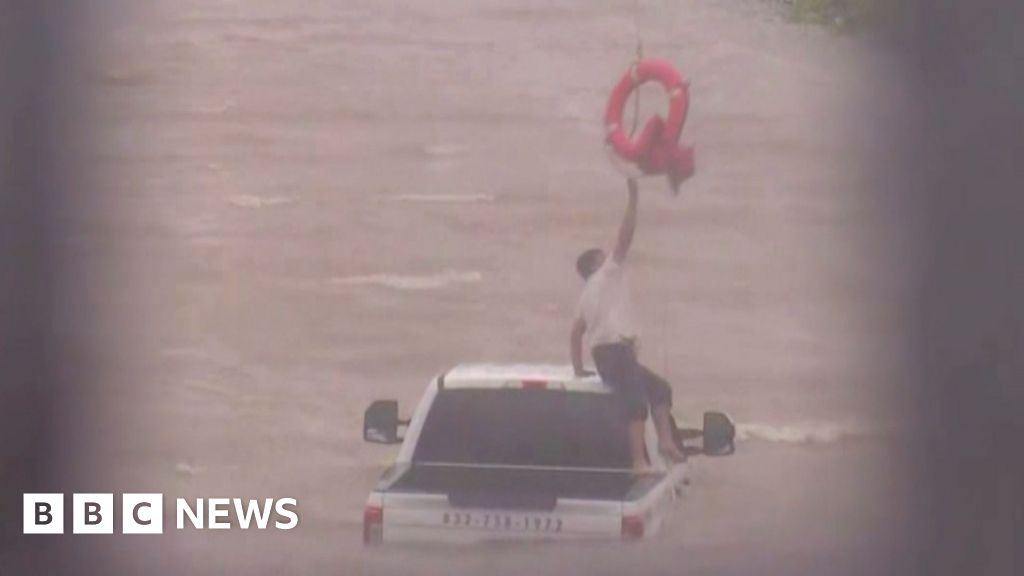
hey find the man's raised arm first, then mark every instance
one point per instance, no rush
(628, 225)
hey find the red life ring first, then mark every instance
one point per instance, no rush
(656, 149)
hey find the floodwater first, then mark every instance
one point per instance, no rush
(303, 206)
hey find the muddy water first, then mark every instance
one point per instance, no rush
(306, 205)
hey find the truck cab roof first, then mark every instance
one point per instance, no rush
(550, 376)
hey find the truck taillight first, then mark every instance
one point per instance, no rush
(373, 524)
(632, 527)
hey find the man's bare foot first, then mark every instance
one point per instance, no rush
(671, 453)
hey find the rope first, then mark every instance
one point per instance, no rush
(636, 90)
(625, 168)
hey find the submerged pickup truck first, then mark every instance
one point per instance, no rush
(518, 452)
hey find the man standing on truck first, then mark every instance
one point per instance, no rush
(604, 319)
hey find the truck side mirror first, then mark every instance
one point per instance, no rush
(719, 434)
(381, 422)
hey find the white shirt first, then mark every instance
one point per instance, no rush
(605, 306)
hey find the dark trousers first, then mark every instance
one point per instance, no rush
(635, 384)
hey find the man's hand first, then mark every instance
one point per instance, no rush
(628, 224)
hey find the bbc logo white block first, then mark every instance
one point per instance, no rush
(92, 514)
(43, 514)
(142, 513)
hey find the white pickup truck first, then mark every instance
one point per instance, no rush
(519, 452)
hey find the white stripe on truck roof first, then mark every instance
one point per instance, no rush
(514, 375)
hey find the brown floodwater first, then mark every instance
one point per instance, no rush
(298, 207)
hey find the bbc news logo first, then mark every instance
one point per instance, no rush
(144, 513)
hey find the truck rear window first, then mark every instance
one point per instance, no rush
(524, 427)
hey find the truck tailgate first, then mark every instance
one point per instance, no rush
(465, 503)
